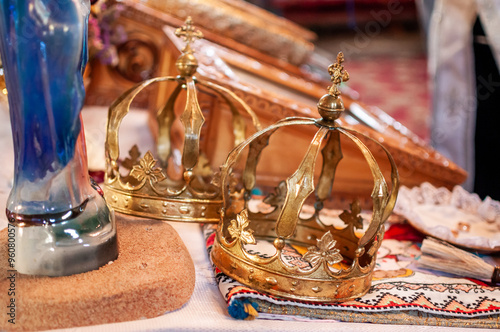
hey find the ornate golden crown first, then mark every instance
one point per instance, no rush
(338, 263)
(146, 190)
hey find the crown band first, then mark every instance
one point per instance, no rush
(198, 210)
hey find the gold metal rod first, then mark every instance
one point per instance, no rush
(165, 119)
(254, 151)
(239, 126)
(192, 118)
(332, 154)
(300, 185)
(255, 119)
(380, 193)
(226, 169)
(117, 112)
(394, 177)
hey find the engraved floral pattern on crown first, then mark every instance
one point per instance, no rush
(146, 169)
(324, 251)
(239, 228)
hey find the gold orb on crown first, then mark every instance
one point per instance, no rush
(337, 262)
(140, 185)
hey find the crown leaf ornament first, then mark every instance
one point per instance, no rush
(140, 185)
(338, 263)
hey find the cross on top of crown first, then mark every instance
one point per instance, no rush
(188, 32)
(338, 75)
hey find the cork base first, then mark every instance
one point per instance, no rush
(153, 274)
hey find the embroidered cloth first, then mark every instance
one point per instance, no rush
(401, 292)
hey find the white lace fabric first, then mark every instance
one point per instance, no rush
(455, 216)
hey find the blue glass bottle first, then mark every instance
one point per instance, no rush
(63, 225)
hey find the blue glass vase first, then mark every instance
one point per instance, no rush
(63, 225)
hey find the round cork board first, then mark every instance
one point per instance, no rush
(152, 275)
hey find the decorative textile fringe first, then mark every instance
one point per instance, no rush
(441, 256)
(243, 309)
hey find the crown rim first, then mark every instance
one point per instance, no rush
(274, 277)
(163, 208)
(293, 287)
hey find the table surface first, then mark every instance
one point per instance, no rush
(206, 310)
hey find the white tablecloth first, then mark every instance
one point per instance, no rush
(206, 310)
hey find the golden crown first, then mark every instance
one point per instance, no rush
(338, 263)
(143, 188)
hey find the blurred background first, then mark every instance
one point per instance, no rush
(384, 46)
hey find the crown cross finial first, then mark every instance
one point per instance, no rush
(338, 75)
(331, 106)
(188, 33)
